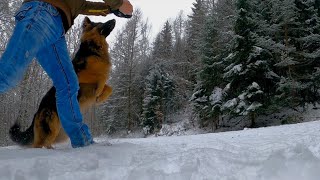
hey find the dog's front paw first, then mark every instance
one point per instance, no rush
(107, 90)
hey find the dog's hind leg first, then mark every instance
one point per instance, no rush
(106, 92)
(39, 134)
(55, 128)
(46, 130)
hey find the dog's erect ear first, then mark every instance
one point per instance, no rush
(107, 27)
(86, 22)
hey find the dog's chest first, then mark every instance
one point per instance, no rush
(95, 70)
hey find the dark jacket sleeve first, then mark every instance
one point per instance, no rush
(100, 8)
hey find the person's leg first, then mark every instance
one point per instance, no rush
(56, 62)
(39, 25)
(16, 57)
(35, 28)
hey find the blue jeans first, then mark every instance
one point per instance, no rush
(39, 33)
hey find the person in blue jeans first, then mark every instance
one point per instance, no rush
(40, 33)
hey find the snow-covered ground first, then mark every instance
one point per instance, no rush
(290, 152)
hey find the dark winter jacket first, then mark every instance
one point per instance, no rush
(70, 9)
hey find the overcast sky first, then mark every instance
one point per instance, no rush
(157, 11)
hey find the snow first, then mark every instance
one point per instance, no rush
(234, 70)
(254, 85)
(216, 96)
(312, 55)
(290, 152)
(253, 106)
(231, 103)
(271, 75)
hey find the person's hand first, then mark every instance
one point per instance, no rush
(125, 10)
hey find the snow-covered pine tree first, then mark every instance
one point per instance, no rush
(166, 41)
(270, 18)
(209, 78)
(194, 34)
(178, 34)
(156, 52)
(157, 96)
(159, 100)
(297, 28)
(179, 68)
(127, 54)
(163, 46)
(214, 46)
(307, 41)
(247, 68)
(317, 6)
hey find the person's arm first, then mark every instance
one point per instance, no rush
(120, 8)
(100, 8)
(114, 4)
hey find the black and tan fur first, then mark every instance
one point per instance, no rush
(92, 65)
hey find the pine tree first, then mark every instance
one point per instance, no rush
(156, 52)
(248, 88)
(217, 37)
(157, 96)
(299, 22)
(194, 34)
(209, 77)
(128, 52)
(159, 92)
(317, 6)
(166, 47)
(163, 45)
(307, 38)
(179, 66)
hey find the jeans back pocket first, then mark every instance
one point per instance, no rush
(52, 10)
(21, 13)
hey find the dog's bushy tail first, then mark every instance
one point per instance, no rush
(22, 138)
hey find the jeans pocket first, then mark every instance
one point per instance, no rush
(52, 10)
(21, 13)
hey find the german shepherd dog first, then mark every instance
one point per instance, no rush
(92, 65)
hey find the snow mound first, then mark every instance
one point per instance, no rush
(295, 163)
(290, 152)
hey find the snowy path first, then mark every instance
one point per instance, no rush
(286, 153)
